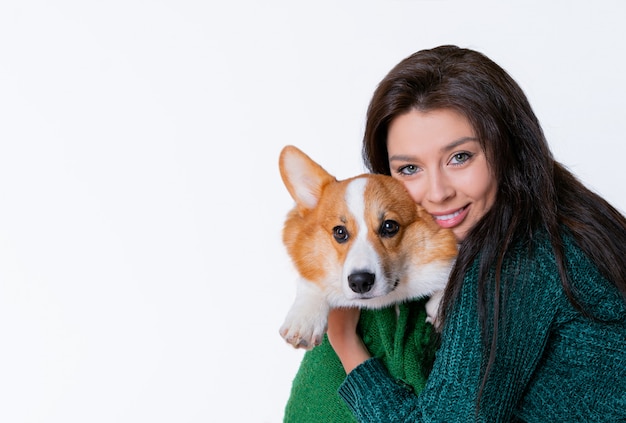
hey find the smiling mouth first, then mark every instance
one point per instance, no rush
(445, 217)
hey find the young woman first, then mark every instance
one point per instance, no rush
(534, 316)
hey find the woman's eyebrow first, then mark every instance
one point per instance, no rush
(402, 158)
(454, 144)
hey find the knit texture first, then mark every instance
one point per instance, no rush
(553, 364)
(399, 337)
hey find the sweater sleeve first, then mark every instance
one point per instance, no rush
(452, 390)
(383, 394)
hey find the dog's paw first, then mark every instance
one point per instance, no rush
(304, 331)
(433, 320)
(302, 339)
(432, 309)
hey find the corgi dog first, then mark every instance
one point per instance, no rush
(359, 242)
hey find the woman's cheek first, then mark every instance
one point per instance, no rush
(414, 191)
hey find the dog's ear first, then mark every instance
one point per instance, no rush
(305, 180)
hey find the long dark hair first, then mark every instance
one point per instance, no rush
(534, 191)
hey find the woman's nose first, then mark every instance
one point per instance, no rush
(438, 189)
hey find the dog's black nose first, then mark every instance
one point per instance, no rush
(361, 282)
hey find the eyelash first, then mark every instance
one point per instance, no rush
(401, 170)
(461, 158)
(466, 155)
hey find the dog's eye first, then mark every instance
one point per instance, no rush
(389, 228)
(341, 234)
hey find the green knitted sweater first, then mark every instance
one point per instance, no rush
(399, 337)
(553, 363)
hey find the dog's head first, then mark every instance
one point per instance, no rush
(359, 239)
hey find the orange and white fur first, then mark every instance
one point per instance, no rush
(360, 242)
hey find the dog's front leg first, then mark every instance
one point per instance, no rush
(307, 320)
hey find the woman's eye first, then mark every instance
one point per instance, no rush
(408, 170)
(460, 158)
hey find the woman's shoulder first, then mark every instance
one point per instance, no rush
(540, 250)
(593, 292)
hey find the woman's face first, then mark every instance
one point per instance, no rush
(438, 158)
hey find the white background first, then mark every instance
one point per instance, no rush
(142, 277)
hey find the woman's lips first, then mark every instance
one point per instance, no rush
(452, 219)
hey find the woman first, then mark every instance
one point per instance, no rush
(534, 315)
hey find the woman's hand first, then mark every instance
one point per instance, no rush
(344, 339)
